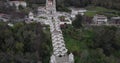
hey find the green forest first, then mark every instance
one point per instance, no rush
(24, 43)
(92, 44)
(114, 4)
(91, 4)
(96, 44)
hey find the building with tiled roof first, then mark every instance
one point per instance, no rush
(115, 20)
(100, 19)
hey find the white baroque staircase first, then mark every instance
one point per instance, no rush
(59, 50)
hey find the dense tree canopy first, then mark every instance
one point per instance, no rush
(77, 23)
(114, 4)
(94, 44)
(23, 43)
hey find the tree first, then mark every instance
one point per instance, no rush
(20, 7)
(77, 23)
(23, 43)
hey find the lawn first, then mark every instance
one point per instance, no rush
(93, 10)
(74, 42)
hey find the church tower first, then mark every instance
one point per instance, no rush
(51, 6)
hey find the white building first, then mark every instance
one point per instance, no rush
(100, 19)
(64, 20)
(17, 3)
(67, 22)
(41, 10)
(115, 20)
(76, 11)
(4, 17)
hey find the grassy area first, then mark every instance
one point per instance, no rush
(90, 13)
(92, 10)
(83, 44)
(73, 42)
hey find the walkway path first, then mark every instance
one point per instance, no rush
(59, 50)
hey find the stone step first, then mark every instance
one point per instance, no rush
(63, 59)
